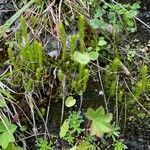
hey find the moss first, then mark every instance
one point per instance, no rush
(27, 61)
(110, 77)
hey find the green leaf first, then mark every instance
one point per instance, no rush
(95, 23)
(73, 148)
(70, 101)
(84, 145)
(119, 145)
(102, 42)
(100, 121)
(60, 75)
(135, 6)
(6, 93)
(6, 133)
(89, 49)
(12, 146)
(82, 58)
(5, 139)
(93, 55)
(64, 129)
(23, 128)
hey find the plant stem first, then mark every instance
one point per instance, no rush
(63, 97)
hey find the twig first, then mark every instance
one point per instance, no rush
(63, 97)
(126, 71)
(117, 116)
(49, 7)
(81, 101)
(60, 4)
(100, 78)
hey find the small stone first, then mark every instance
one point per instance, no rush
(53, 54)
(101, 93)
(145, 49)
(136, 40)
(140, 140)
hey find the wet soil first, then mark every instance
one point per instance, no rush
(137, 135)
(143, 32)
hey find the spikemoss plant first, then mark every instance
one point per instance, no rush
(72, 75)
(81, 28)
(69, 67)
(142, 86)
(27, 61)
(110, 77)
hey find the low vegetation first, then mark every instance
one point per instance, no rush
(55, 55)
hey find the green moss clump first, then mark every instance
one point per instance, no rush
(110, 77)
(141, 86)
(28, 61)
(78, 73)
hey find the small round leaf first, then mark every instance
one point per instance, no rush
(82, 58)
(102, 42)
(70, 101)
(94, 55)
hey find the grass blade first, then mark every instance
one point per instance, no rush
(9, 22)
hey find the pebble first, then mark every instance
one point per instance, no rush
(54, 53)
(140, 140)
